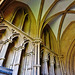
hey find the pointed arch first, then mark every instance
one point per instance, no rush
(49, 38)
(70, 59)
(8, 13)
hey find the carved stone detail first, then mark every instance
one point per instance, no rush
(14, 34)
(23, 45)
(30, 53)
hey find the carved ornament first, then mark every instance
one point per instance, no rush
(23, 45)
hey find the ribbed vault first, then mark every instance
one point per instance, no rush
(49, 21)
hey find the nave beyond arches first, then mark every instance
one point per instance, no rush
(37, 40)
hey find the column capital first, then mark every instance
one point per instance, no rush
(45, 60)
(52, 55)
(38, 40)
(14, 34)
(30, 53)
(23, 45)
(6, 41)
(19, 48)
(2, 58)
(57, 62)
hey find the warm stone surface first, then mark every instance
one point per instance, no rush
(37, 37)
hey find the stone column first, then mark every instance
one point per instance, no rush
(37, 57)
(58, 71)
(4, 50)
(5, 46)
(17, 58)
(44, 63)
(32, 63)
(29, 64)
(61, 64)
(51, 68)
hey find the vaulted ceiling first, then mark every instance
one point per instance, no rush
(52, 20)
(47, 12)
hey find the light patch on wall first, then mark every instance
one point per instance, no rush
(68, 19)
(47, 4)
(55, 25)
(1, 1)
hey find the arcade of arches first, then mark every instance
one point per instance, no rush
(37, 37)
